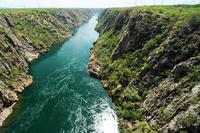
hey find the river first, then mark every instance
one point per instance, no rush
(64, 97)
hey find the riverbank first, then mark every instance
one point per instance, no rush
(147, 58)
(64, 97)
(24, 36)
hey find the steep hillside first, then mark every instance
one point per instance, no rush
(148, 59)
(24, 36)
(96, 10)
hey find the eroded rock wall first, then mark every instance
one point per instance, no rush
(24, 36)
(148, 60)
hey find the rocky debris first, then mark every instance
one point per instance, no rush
(52, 30)
(5, 113)
(105, 84)
(189, 120)
(27, 40)
(8, 97)
(195, 89)
(9, 19)
(94, 71)
(30, 56)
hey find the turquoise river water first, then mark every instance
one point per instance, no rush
(64, 98)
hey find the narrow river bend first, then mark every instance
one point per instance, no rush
(64, 98)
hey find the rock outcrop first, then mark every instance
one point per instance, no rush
(148, 60)
(24, 36)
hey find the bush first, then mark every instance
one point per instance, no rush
(194, 20)
(162, 109)
(106, 59)
(5, 39)
(1, 30)
(145, 93)
(126, 73)
(3, 48)
(143, 125)
(9, 82)
(192, 84)
(157, 78)
(13, 61)
(9, 45)
(111, 67)
(35, 44)
(18, 20)
(196, 53)
(53, 34)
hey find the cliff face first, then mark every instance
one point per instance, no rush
(148, 60)
(24, 36)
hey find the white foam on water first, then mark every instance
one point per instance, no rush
(106, 121)
(104, 117)
(63, 92)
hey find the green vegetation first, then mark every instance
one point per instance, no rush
(139, 50)
(19, 29)
(5, 39)
(188, 119)
(3, 48)
(30, 10)
(39, 25)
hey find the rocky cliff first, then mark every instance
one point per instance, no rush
(24, 36)
(148, 59)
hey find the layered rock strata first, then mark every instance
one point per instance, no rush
(148, 59)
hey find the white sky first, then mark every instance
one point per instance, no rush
(88, 3)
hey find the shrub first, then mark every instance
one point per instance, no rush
(113, 78)
(18, 20)
(3, 48)
(111, 67)
(13, 61)
(162, 109)
(2, 57)
(9, 82)
(190, 118)
(53, 34)
(157, 78)
(183, 82)
(163, 27)
(144, 58)
(145, 93)
(1, 29)
(9, 45)
(143, 125)
(167, 72)
(194, 20)
(192, 84)
(196, 53)
(28, 20)
(173, 103)
(132, 95)
(126, 73)
(5, 39)
(106, 59)
(35, 44)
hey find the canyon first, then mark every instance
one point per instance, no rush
(24, 36)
